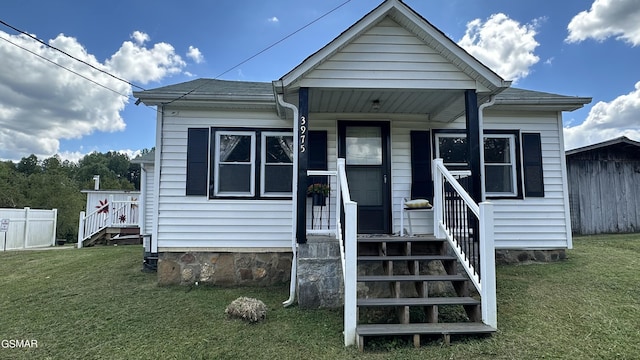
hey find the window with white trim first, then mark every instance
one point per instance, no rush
(500, 160)
(276, 165)
(453, 150)
(234, 163)
(500, 165)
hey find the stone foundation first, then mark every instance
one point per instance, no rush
(320, 282)
(224, 269)
(525, 256)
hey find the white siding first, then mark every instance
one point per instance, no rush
(534, 222)
(388, 56)
(200, 222)
(148, 198)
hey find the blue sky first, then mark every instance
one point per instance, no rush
(571, 47)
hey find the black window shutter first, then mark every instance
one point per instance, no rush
(317, 145)
(197, 161)
(421, 179)
(532, 165)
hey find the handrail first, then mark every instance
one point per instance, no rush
(456, 185)
(334, 232)
(349, 254)
(480, 262)
(114, 213)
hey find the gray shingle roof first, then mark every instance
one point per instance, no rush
(212, 89)
(209, 89)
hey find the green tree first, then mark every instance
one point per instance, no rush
(11, 184)
(29, 165)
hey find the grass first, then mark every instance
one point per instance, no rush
(95, 303)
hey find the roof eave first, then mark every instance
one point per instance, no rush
(618, 140)
(263, 100)
(555, 104)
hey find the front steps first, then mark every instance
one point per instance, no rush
(416, 270)
(115, 236)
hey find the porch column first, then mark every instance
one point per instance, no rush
(303, 164)
(474, 140)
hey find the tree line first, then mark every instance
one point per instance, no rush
(56, 184)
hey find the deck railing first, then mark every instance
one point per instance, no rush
(346, 232)
(114, 213)
(468, 227)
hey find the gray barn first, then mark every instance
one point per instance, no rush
(604, 187)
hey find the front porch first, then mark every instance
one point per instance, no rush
(420, 272)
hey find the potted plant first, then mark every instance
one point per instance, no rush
(319, 192)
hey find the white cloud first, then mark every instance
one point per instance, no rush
(42, 103)
(140, 64)
(607, 120)
(503, 44)
(194, 54)
(605, 19)
(72, 156)
(273, 19)
(139, 37)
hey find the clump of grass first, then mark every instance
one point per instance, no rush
(247, 309)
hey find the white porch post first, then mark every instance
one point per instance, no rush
(488, 266)
(111, 212)
(81, 228)
(438, 201)
(55, 227)
(351, 272)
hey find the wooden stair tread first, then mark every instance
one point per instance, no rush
(418, 301)
(423, 328)
(380, 278)
(399, 239)
(406, 257)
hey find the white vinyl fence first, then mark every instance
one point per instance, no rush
(28, 228)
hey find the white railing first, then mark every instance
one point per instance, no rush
(474, 246)
(114, 213)
(348, 245)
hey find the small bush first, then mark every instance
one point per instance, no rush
(247, 309)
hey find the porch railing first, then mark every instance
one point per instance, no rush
(114, 213)
(468, 227)
(346, 233)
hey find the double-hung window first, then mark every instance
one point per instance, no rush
(276, 166)
(235, 163)
(453, 150)
(500, 159)
(500, 165)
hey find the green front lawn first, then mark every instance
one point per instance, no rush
(96, 303)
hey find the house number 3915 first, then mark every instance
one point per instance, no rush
(303, 134)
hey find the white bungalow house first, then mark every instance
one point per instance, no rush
(390, 111)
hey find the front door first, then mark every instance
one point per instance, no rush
(365, 146)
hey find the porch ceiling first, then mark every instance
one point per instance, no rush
(437, 105)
